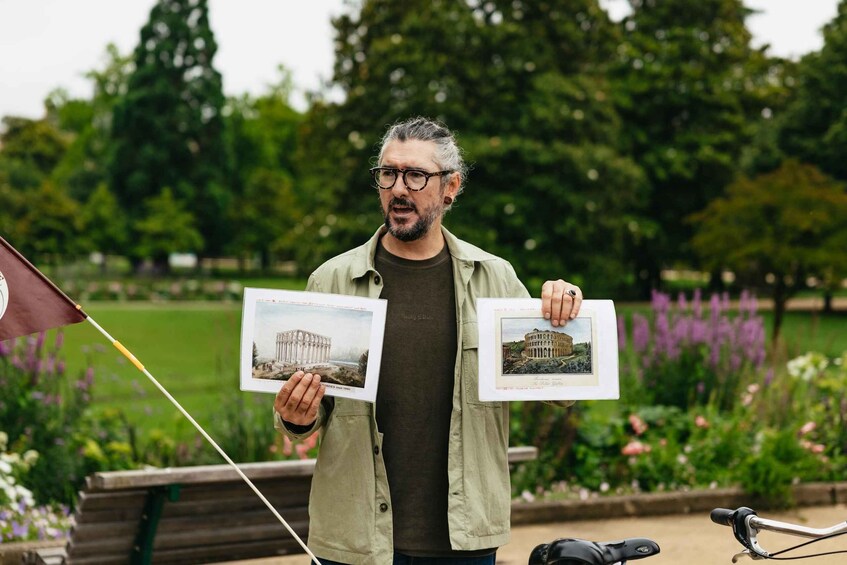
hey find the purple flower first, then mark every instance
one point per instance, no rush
(640, 333)
(19, 530)
(682, 304)
(660, 302)
(769, 376)
(697, 304)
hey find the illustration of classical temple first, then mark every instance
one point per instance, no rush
(300, 346)
(544, 344)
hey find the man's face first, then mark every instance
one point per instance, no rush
(409, 215)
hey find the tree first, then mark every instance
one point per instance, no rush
(523, 85)
(104, 223)
(168, 129)
(777, 229)
(815, 128)
(167, 227)
(686, 84)
(88, 124)
(29, 150)
(262, 139)
(50, 224)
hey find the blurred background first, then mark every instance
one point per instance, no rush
(683, 158)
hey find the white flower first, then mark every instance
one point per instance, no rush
(807, 366)
(4, 441)
(30, 457)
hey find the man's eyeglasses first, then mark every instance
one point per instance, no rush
(414, 179)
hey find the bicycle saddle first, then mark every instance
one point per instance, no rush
(569, 551)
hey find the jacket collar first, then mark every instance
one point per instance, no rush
(363, 256)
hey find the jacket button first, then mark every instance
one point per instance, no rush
(383, 507)
(377, 279)
(376, 450)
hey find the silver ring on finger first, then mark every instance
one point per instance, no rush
(572, 292)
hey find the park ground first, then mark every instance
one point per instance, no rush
(686, 538)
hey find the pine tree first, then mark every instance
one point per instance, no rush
(168, 129)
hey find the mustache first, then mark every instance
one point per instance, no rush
(395, 201)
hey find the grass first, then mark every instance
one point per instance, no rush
(192, 349)
(809, 331)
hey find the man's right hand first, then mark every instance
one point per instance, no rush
(299, 398)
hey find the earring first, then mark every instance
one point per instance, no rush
(448, 200)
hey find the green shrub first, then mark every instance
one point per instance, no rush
(776, 462)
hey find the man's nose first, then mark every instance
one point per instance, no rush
(400, 186)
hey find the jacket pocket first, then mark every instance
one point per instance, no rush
(470, 365)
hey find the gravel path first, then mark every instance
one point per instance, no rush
(688, 539)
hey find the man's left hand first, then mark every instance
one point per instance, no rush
(560, 301)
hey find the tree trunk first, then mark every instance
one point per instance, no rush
(780, 297)
(716, 281)
(827, 301)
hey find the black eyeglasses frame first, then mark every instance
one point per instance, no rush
(402, 172)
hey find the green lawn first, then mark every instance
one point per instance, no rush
(191, 349)
(810, 331)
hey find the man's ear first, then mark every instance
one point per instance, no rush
(454, 185)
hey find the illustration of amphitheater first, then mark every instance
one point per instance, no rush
(545, 344)
(300, 346)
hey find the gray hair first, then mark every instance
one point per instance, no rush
(448, 154)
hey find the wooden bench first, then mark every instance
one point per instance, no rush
(203, 514)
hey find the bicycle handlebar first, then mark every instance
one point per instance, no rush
(746, 525)
(721, 516)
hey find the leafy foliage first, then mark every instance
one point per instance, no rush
(815, 126)
(686, 83)
(523, 85)
(777, 229)
(166, 228)
(168, 128)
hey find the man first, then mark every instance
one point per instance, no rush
(422, 474)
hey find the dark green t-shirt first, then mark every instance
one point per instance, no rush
(415, 395)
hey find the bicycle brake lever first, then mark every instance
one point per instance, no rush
(738, 556)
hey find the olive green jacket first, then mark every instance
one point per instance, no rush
(350, 506)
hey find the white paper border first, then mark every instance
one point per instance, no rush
(376, 306)
(604, 354)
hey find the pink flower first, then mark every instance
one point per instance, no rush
(701, 422)
(808, 427)
(638, 425)
(635, 447)
(818, 448)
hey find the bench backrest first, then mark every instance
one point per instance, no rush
(190, 514)
(198, 514)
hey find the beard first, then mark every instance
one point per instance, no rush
(415, 231)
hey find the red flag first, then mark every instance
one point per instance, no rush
(29, 301)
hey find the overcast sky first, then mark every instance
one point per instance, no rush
(45, 44)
